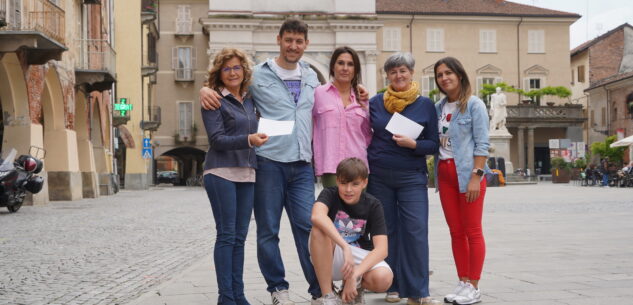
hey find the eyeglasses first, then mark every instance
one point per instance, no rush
(234, 68)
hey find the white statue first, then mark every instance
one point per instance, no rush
(498, 111)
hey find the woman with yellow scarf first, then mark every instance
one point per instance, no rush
(398, 178)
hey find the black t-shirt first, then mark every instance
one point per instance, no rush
(356, 223)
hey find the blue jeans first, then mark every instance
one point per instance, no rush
(232, 204)
(403, 194)
(291, 186)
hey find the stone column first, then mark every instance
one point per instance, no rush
(370, 67)
(521, 147)
(530, 152)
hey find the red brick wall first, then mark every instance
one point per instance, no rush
(621, 118)
(605, 56)
(34, 76)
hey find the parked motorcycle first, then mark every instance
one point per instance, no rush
(17, 177)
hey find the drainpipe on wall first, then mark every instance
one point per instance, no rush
(411, 34)
(519, 57)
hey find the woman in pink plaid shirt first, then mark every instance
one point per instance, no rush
(341, 121)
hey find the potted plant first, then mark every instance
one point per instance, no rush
(561, 170)
(577, 166)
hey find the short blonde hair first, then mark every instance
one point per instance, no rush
(226, 54)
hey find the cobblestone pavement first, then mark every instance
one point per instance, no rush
(101, 251)
(546, 244)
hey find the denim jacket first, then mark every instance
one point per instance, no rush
(469, 138)
(228, 128)
(275, 102)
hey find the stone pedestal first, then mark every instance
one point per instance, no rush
(500, 140)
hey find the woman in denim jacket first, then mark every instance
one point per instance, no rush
(229, 169)
(459, 175)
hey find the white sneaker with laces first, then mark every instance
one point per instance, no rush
(330, 299)
(449, 298)
(281, 297)
(392, 297)
(470, 295)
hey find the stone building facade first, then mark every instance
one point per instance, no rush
(605, 82)
(54, 92)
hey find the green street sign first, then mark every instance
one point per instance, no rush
(122, 106)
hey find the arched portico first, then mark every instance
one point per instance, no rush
(189, 159)
(87, 165)
(62, 162)
(20, 131)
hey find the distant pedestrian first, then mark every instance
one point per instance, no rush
(398, 178)
(348, 241)
(604, 168)
(460, 168)
(341, 119)
(229, 169)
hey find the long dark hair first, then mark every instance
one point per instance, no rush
(465, 91)
(357, 73)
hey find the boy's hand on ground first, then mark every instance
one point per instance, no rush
(349, 291)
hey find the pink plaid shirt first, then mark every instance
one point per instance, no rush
(338, 132)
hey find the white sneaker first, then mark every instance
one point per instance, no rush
(281, 297)
(329, 299)
(449, 298)
(423, 301)
(392, 297)
(470, 295)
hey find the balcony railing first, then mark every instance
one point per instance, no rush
(184, 27)
(154, 119)
(567, 115)
(183, 74)
(96, 55)
(545, 112)
(149, 10)
(35, 15)
(149, 6)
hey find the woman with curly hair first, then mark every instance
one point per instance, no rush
(229, 168)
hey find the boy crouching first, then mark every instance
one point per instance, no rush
(348, 240)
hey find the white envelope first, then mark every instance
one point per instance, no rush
(399, 124)
(275, 128)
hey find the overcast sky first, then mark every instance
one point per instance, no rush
(603, 15)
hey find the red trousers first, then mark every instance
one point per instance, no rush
(464, 221)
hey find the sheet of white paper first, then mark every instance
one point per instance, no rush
(275, 128)
(399, 124)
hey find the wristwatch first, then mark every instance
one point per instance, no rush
(478, 171)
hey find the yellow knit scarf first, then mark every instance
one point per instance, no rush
(396, 101)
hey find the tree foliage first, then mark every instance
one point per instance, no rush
(614, 154)
(560, 91)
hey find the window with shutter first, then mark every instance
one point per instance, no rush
(391, 39)
(183, 60)
(435, 40)
(428, 85)
(487, 41)
(183, 20)
(185, 119)
(534, 83)
(581, 74)
(536, 41)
